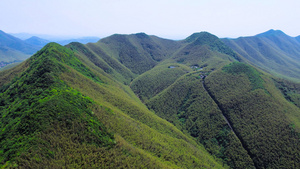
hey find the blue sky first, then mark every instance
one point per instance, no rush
(173, 19)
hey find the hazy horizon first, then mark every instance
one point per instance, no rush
(174, 19)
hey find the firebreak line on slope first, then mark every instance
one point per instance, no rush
(227, 121)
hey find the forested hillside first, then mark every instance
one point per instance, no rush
(140, 101)
(272, 51)
(59, 112)
(261, 117)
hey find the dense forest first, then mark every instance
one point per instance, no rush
(140, 101)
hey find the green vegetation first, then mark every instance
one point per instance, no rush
(93, 55)
(236, 68)
(290, 90)
(157, 79)
(204, 50)
(266, 125)
(189, 107)
(127, 53)
(139, 101)
(272, 51)
(58, 112)
(140, 127)
(215, 44)
(37, 102)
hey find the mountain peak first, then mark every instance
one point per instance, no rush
(7, 40)
(33, 37)
(272, 32)
(141, 35)
(198, 35)
(34, 40)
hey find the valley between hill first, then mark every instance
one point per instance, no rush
(140, 101)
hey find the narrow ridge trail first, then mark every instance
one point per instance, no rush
(225, 118)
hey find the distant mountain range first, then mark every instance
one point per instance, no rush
(62, 40)
(140, 101)
(36, 41)
(13, 49)
(272, 51)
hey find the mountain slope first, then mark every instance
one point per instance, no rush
(35, 104)
(190, 108)
(181, 99)
(13, 49)
(147, 102)
(59, 112)
(199, 51)
(138, 52)
(9, 41)
(204, 50)
(152, 82)
(262, 128)
(36, 41)
(272, 51)
(261, 117)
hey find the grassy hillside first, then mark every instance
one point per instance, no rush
(272, 51)
(59, 112)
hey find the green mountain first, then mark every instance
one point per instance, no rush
(58, 111)
(272, 51)
(140, 101)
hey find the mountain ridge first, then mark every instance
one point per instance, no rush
(34, 40)
(7, 40)
(272, 51)
(196, 104)
(13, 49)
(60, 73)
